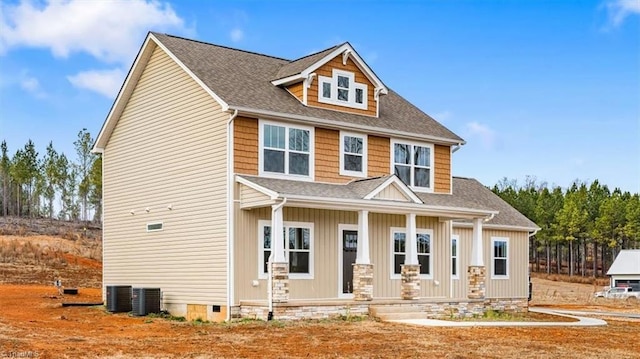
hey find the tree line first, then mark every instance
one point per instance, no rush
(52, 185)
(582, 228)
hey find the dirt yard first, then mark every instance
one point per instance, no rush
(33, 323)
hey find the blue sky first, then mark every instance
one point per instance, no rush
(543, 88)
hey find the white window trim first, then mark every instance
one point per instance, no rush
(493, 269)
(431, 162)
(155, 230)
(341, 228)
(353, 85)
(267, 223)
(455, 237)
(392, 274)
(287, 126)
(365, 154)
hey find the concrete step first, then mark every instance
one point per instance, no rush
(401, 316)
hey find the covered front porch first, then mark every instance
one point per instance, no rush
(377, 266)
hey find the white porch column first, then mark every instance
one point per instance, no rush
(476, 249)
(362, 256)
(277, 236)
(411, 244)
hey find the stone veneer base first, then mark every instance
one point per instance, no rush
(362, 282)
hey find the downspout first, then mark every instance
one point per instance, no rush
(230, 214)
(534, 233)
(456, 147)
(270, 277)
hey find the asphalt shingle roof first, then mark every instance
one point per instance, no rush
(297, 66)
(243, 79)
(467, 193)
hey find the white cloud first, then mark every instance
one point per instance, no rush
(31, 85)
(236, 35)
(443, 116)
(621, 9)
(110, 31)
(481, 132)
(104, 82)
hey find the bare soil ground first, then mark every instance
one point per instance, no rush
(33, 324)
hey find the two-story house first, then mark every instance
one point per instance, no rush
(243, 184)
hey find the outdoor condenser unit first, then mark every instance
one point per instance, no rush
(119, 298)
(145, 301)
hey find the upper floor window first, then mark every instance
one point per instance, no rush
(398, 251)
(499, 257)
(412, 164)
(342, 89)
(286, 150)
(353, 154)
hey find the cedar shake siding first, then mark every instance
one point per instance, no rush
(442, 168)
(379, 156)
(245, 146)
(327, 70)
(297, 91)
(327, 162)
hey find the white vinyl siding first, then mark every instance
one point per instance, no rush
(167, 154)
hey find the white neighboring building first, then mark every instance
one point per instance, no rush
(625, 270)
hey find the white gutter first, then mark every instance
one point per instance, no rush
(531, 234)
(230, 214)
(457, 147)
(307, 120)
(497, 226)
(270, 278)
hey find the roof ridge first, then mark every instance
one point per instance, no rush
(224, 47)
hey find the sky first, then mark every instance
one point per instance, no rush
(549, 89)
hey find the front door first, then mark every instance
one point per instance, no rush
(349, 250)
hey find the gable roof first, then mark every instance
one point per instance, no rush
(297, 66)
(627, 262)
(243, 81)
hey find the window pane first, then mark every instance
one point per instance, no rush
(299, 140)
(401, 154)
(424, 243)
(343, 95)
(353, 163)
(398, 260)
(421, 156)
(424, 263)
(404, 173)
(326, 90)
(454, 266)
(299, 238)
(500, 249)
(421, 177)
(454, 247)
(343, 81)
(359, 95)
(274, 136)
(398, 242)
(299, 164)
(274, 161)
(500, 266)
(267, 237)
(298, 262)
(265, 258)
(353, 144)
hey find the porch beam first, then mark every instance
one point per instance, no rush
(362, 256)
(411, 242)
(477, 257)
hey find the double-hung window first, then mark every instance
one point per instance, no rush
(342, 89)
(298, 248)
(454, 257)
(353, 154)
(500, 257)
(398, 251)
(412, 163)
(286, 150)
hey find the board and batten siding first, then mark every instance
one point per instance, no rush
(517, 285)
(326, 247)
(166, 162)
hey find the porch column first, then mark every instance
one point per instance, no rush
(279, 267)
(476, 271)
(362, 268)
(410, 271)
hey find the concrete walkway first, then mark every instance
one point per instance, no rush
(581, 321)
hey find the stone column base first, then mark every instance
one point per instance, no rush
(362, 282)
(280, 282)
(477, 276)
(410, 274)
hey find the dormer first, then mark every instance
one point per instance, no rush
(336, 79)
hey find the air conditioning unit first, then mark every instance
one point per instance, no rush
(145, 301)
(119, 298)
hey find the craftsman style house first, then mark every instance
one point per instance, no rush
(249, 185)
